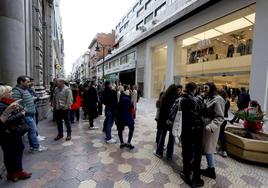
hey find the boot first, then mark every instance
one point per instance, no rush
(209, 172)
(197, 183)
(186, 178)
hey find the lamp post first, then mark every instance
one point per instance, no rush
(103, 55)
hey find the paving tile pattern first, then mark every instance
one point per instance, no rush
(88, 162)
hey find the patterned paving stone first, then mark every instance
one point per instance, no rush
(161, 178)
(131, 177)
(252, 181)
(124, 168)
(87, 184)
(105, 184)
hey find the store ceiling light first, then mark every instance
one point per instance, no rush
(222, 29)
(251, 17)
(207, 34)
(234, 25)
(189, 41)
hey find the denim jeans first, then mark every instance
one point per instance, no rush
(210, 160)
(32, 132)
(63, 115)
(108, 123)
(170, 146)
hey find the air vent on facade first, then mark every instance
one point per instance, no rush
(154, 21)
(142, 28)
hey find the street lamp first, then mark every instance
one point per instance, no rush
(97, 49)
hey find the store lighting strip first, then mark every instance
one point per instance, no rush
(240, 23)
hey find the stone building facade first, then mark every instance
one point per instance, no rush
(31, 40)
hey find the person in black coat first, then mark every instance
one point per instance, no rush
(90, 97)
(171, 95)
(109, 99)
(191, 135)
(242, 103)
(124, 118)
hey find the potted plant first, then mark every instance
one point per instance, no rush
(248, 142)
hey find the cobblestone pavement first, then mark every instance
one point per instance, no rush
(88, 162)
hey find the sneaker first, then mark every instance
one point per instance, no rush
(111, 141)
(58, 137)
(122, 145)
(157, 155)
(223, 154)
(40, 149)
(93, 128)
(40, 138)
(68, 138)
(130, 147)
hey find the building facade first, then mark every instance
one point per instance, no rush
(80, 70)
(220, 41)
(31, 41)
(99, 48)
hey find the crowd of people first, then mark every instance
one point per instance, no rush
(199, 114)
(196, 117)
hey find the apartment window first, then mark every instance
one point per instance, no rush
(134, 8)
(141, 1)
(148, 4)
(149, 18)
(139, 12)
(124, 19)
(123, 60)
(121, 29)
(126, 24)
(160, 9)
(138, 25)
(129, 14)
(131, 57)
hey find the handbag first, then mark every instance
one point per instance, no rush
(177, 125)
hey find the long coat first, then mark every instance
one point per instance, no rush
(124, 116)
(215, 106)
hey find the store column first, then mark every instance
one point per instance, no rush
(259, 68)
(12, 40)
(170, 62)
(148, 73)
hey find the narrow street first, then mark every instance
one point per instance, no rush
(88, 162)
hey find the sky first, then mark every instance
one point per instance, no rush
(83, 19)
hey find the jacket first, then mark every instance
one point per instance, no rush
(90, 98)
(191, 108)
(109, 99)
(243, 100)
(123, 115)
(16, 118)
(27, 100)
(215, 106)
(63, 98)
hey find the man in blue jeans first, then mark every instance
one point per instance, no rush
(109, 99)
(21, 92)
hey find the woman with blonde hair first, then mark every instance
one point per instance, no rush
(12, 128)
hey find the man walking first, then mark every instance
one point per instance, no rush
(91, 104)
(21, 92)
(109, 98)
(62, 102)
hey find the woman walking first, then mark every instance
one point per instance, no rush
(173, 92)
(125, 118)
(213, 119)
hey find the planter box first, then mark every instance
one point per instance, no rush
(247, 149)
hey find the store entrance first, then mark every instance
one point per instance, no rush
(127, 77)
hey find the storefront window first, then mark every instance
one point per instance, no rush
(219, 50)
(123, 60)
